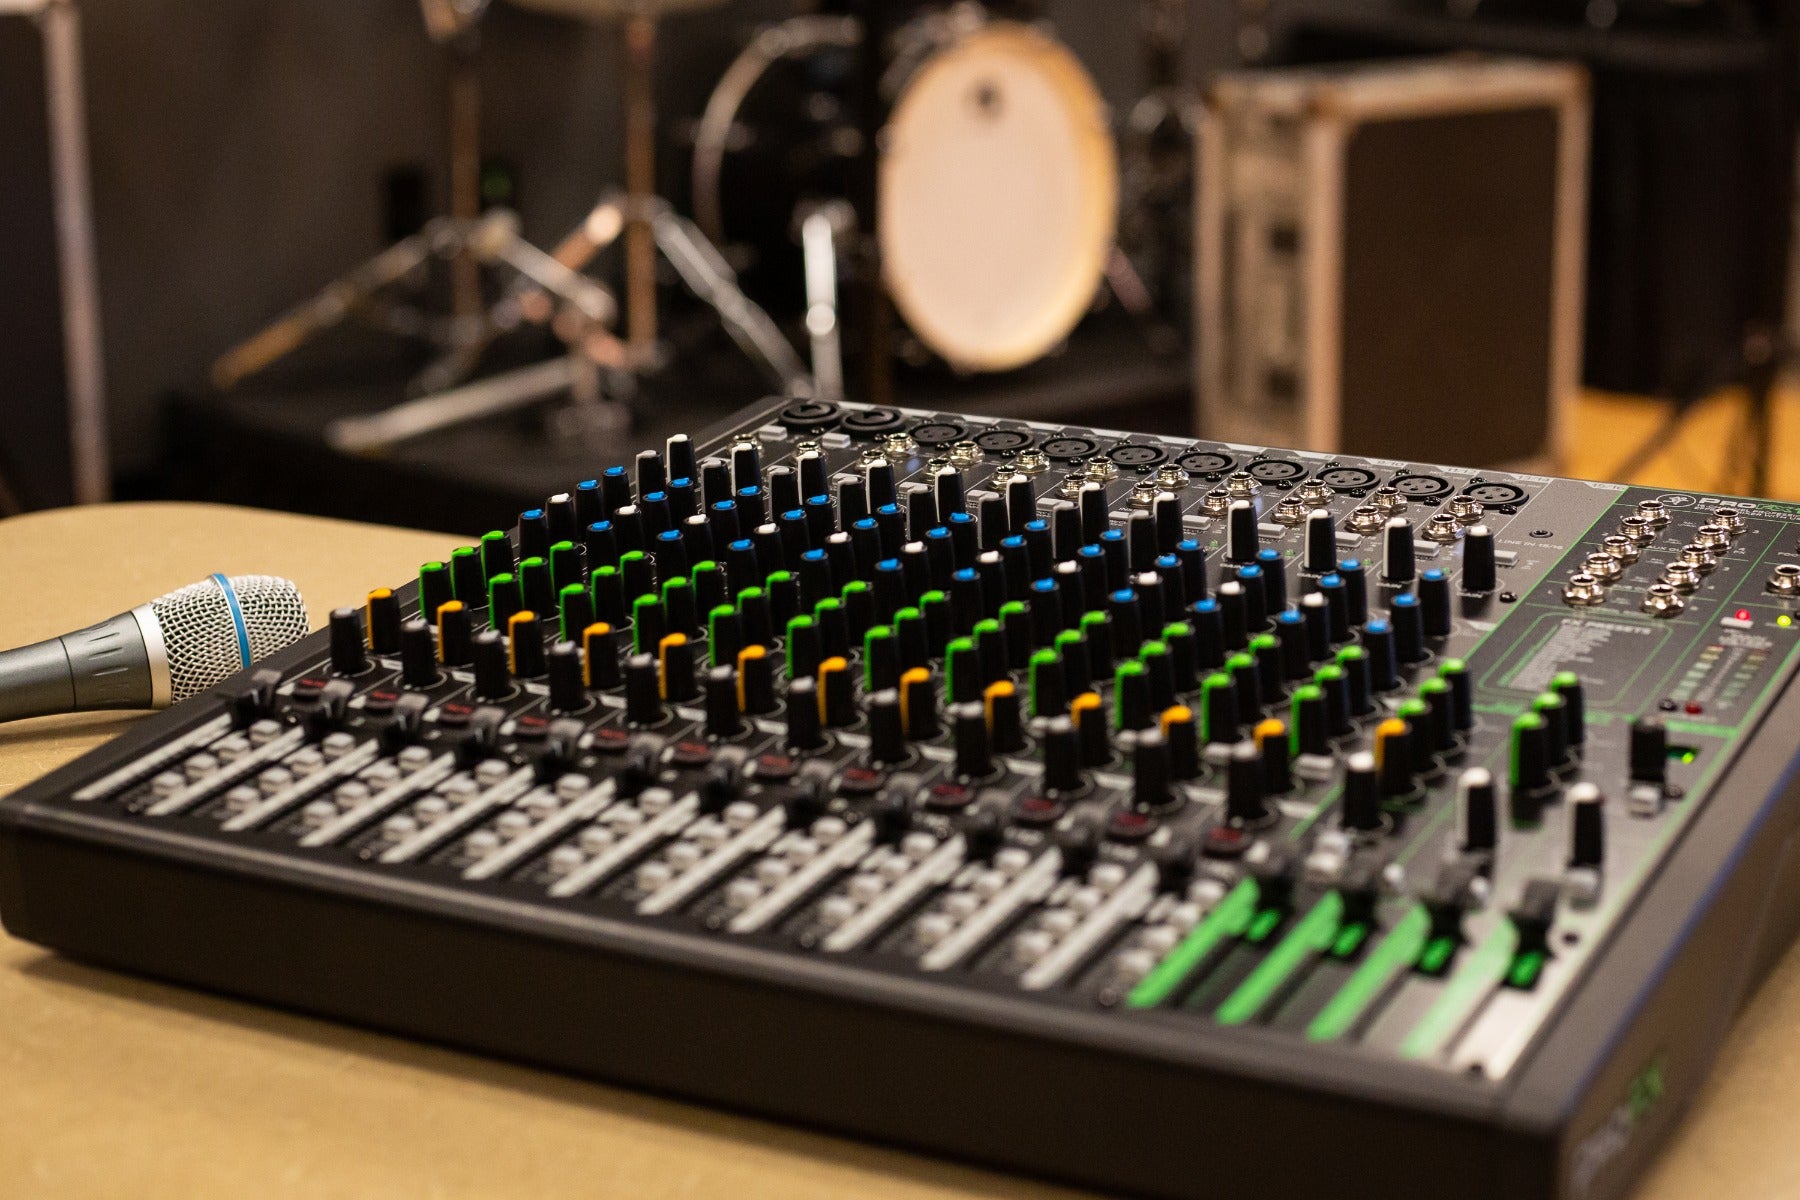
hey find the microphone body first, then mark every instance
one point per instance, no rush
(157, 653)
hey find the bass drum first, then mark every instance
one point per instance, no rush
(998, 176)
(999, 197)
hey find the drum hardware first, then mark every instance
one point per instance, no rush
(466, 240)
(600, 372)
(995, 176)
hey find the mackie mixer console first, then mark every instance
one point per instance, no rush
(1191, 820)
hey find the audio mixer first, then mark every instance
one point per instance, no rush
(1180, 819)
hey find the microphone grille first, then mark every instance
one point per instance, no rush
(207, 627)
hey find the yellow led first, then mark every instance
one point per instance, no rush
(1784, 620)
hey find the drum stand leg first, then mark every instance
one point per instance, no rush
(819, 232)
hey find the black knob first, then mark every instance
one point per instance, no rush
(1062, 757)
(837, 697)
(600, 657)
(1321, 543)
(1312, 725)
(1378, 651)
(1587, 826)
(1150, 770)
(651, 476)
(803, 717)
(405, 724)
(568, 684)
(813, 478)
(384, 621)
(723, 719)
(1141, 540)
(969, 731)
(1479, 573)
(918, 704)
(643, 690)
(947, 491)
(1649, 755)
(1359, 809)
(1408, 626)
(1291, 648)
(1240, 532)
(676, 666)
(1244, 786)
(1274, 575)
(1530, 760)
(1006, 725)
(493, 672)
(525, 646)
(1397, 562)
(481, 738)
(1092, 499)
(1477, 811)
(1272, 744)
(983, 831)
(1567, 685)
(1356, 590)
(1079, 846)
(348, 652)
(418, 656)
(887, 732)
(1434, 603)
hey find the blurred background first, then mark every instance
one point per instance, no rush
(423, 263)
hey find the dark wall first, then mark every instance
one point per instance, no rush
(239, 148)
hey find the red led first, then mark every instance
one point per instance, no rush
(1695, 708)
(1743, 614)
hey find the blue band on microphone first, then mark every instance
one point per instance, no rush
(237, 619)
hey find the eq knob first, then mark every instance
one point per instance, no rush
(1321, 543)
(1479, 573)
(1397, 560)
(1240, 532)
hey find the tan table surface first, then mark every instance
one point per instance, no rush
(111, 1086)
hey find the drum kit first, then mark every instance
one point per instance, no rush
(956, 168)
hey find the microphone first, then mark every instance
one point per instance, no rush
(157, 654)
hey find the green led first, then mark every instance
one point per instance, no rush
(1349, 940)
(1436, 955)
(1525, 969)
(1263, 925)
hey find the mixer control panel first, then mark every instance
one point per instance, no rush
(1334, 760)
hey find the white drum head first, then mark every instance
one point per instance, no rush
(999, 198)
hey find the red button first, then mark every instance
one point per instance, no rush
(1038, 811)
(1694, 708)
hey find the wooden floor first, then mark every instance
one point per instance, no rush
(1710, 454)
